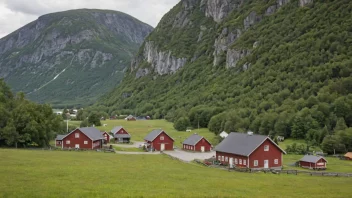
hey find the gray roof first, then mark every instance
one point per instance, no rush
(193, 139)
(122, 136)
(242, 143)
(60, 137)
(92, 133)
(311, 158)
(152, 135)
(116, 129)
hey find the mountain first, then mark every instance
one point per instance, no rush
(277, 67)
(72, 57)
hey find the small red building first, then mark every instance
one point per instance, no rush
(159, 140)
(81, 138)
(196, 143)
(313, 162)
(348, 156)
(250, 151)
(121, 135)
(130, 118)
(107, 137)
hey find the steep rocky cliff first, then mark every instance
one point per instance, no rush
(71, 57)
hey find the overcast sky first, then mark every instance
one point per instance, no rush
(17, 13)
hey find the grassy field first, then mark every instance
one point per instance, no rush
(139, 129)
(129, 149)
(26, 173)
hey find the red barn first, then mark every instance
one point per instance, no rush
(107, 137)
(196, 143)
(348, 156)
(121, 135)
(159, 140)
(83, 138)
(249, 150)
(130, 118)
(313, 162)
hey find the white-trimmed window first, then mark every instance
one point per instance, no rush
(245, 162)
(76, 135)
(161, 137)
(226, 159)
(85, 142)
(58, 142)
(68, 142)
(219, 157)
(240, 161)
(276, 161)
(236, 161)
(255, 162)
(222, 158)
(266, 147)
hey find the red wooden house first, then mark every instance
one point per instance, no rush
(313, 162)
(197, 143)
(348, 156)
(107, 137)
(249, 150)
(82, 138)
(130, 118)
(159, 140)
(121, 135)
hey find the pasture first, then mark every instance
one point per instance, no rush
(29, 173)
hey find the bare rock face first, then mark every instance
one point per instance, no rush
(251, 19)
(233, 56)
(161, 62)
(303, 3)
(219, 9)
(222, 43)
(142, 72)
(279, 3)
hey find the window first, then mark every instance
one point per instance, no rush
(85, 142)
(266, 148)
(255, 162)
(226, 159)
(76, 135)
(184, 146)
(222, 158)
(219, 158)
(67, 141)
(240, 161)
(276, 161)
(161, 137)
(245, 162)
(236, 162)
(58, 142)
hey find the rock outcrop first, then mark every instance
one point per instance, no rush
(224, 41)
(219, 9)
(303, 3)
(233, 56)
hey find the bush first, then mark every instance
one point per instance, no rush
(182, 123)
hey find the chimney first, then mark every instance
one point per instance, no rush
(250, 133)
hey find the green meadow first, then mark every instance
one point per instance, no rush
(29, 173)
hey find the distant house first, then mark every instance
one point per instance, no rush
(280, 138)
(313, 162)
(82, 138)
(159, 140)
(107, 137)
(196, 143)
(223, 134)
(348, 156)
(121, 135)
(130, 118)
(249, 150)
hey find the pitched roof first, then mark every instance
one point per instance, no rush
(122, 136)
(242, 143)
(311, 158)
(60, 137)
(152, 135)
(92, 133)
(116, 129)
(349, 155)
(193, 140)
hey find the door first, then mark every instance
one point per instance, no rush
(202, 148)
(77, 146)
(162, 147)
(266, 163)
(231, 162)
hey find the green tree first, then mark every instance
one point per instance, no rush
(182, 123)
(94, 118)
(340, 124)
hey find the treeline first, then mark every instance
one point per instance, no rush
(24, 123)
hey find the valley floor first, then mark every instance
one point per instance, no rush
(28, 173)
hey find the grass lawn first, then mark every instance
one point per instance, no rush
(140, 128)
(127, 149)
(28, 173)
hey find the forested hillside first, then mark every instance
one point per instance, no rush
(278, 67)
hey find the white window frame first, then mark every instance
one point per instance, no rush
(68, 141)
(162, 137)
(240, 161)
(226, 159)
(266, 147)
(85, 142)
(236, 161)
(219, 157)
(276, 161)
(222, 158)
(255, 163)
(245, 162)
(76, 135)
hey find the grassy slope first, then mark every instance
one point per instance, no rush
(88, 174)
